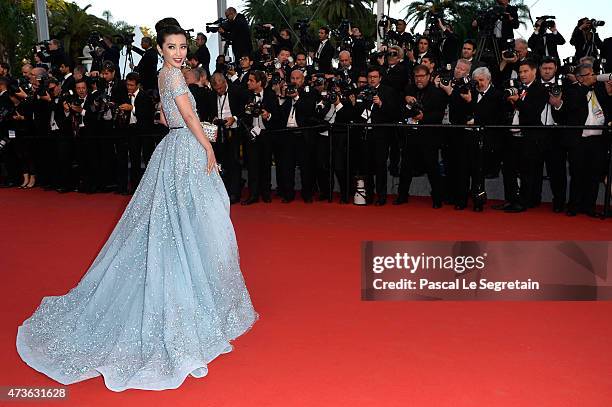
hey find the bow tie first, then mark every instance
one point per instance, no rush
(482, 93)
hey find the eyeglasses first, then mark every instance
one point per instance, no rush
(424, 75)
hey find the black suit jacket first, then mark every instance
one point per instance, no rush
(397, 77)
(145, 111)
(508, 26)
(325, 57)
(147, 68)
(270, 103)
(237, 101)
(304, 110)
(492, 108)
(585, 46)
(68, 84)
(203, 55)
(389, 112)
(538, 45)
(434, 101)
(575, 109)
(240, 34)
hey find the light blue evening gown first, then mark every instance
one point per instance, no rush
(165, 295)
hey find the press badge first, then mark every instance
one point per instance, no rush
(11, 133)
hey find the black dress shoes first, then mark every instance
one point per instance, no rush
(250, 201)
(323, 197)
(478, 208)
(287, 200)
(234, 199)
(460, 207)
(308, 200)
(436, 204)
(558, 207)
(514, 208)
(501, 206)
(400, 200)
(381, 202)
(267, 199)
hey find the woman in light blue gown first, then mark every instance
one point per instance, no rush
(165, 295)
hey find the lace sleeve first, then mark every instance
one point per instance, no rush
(175, 83)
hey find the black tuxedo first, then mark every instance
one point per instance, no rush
(587, 155)
(259, 146)
(227, 146)
(147, 67)
(67, 83)
(377, 140)
(239, 33)
(297, 146)
(324, 58)
(338, 144)
(203, 55)
(540, 42)
(423, 144)
(397, 77)
(202, 96)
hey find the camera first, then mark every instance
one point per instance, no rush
(569, 66)
(301, 25)
(509, 52)
(366, 95)
(547, 21)
(124, 39)
(387, 20)
(555, 88)
(489, 18)
(445, 74)
(464, 85)
(291, 89)
(253, 108)
(276, 78)
(513, 87)
(215, 25)
(413, 110)
(597, 23)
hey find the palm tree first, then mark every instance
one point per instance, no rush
(107, 15)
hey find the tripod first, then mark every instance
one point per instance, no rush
(487, 44)
(129, 57)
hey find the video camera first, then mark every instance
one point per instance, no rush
(215, 25)
(489, 18)
(366, 95)
(509, 52)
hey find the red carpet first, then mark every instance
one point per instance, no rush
(317, 344)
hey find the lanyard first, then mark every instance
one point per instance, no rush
(220, 109)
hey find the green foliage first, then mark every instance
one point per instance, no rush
(321, 12)
(67, 22)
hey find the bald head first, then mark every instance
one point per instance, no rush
(345, 60)
(297, 78)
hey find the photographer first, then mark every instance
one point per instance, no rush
(297, 109)
(112, 95)
(111, 53)
(261, 114)
(325, 52)
(513, 58)
(396, 74)
(525, 147)
(505, 21)
(544, 43)
(488, 107)
(66, 79)
(468, 51)
(360, 50)
(335, 107)
(195, 79)
(449, 44)
(586, 39)
(554, 148)
(586, 103)
(8, 154)
(241, 77)
(203, 54)
(237, 31)
(55, 56)
(141, 115)
(424, 103)
(458, 140)
(345, 70)
(147, 67)
(382, 107)
(226, 107)
(282, 37)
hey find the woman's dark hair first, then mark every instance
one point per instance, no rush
(167, 26)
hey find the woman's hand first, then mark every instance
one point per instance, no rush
(212, 161)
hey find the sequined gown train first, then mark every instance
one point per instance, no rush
(165, 295)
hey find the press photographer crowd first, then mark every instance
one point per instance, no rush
(282, 99)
